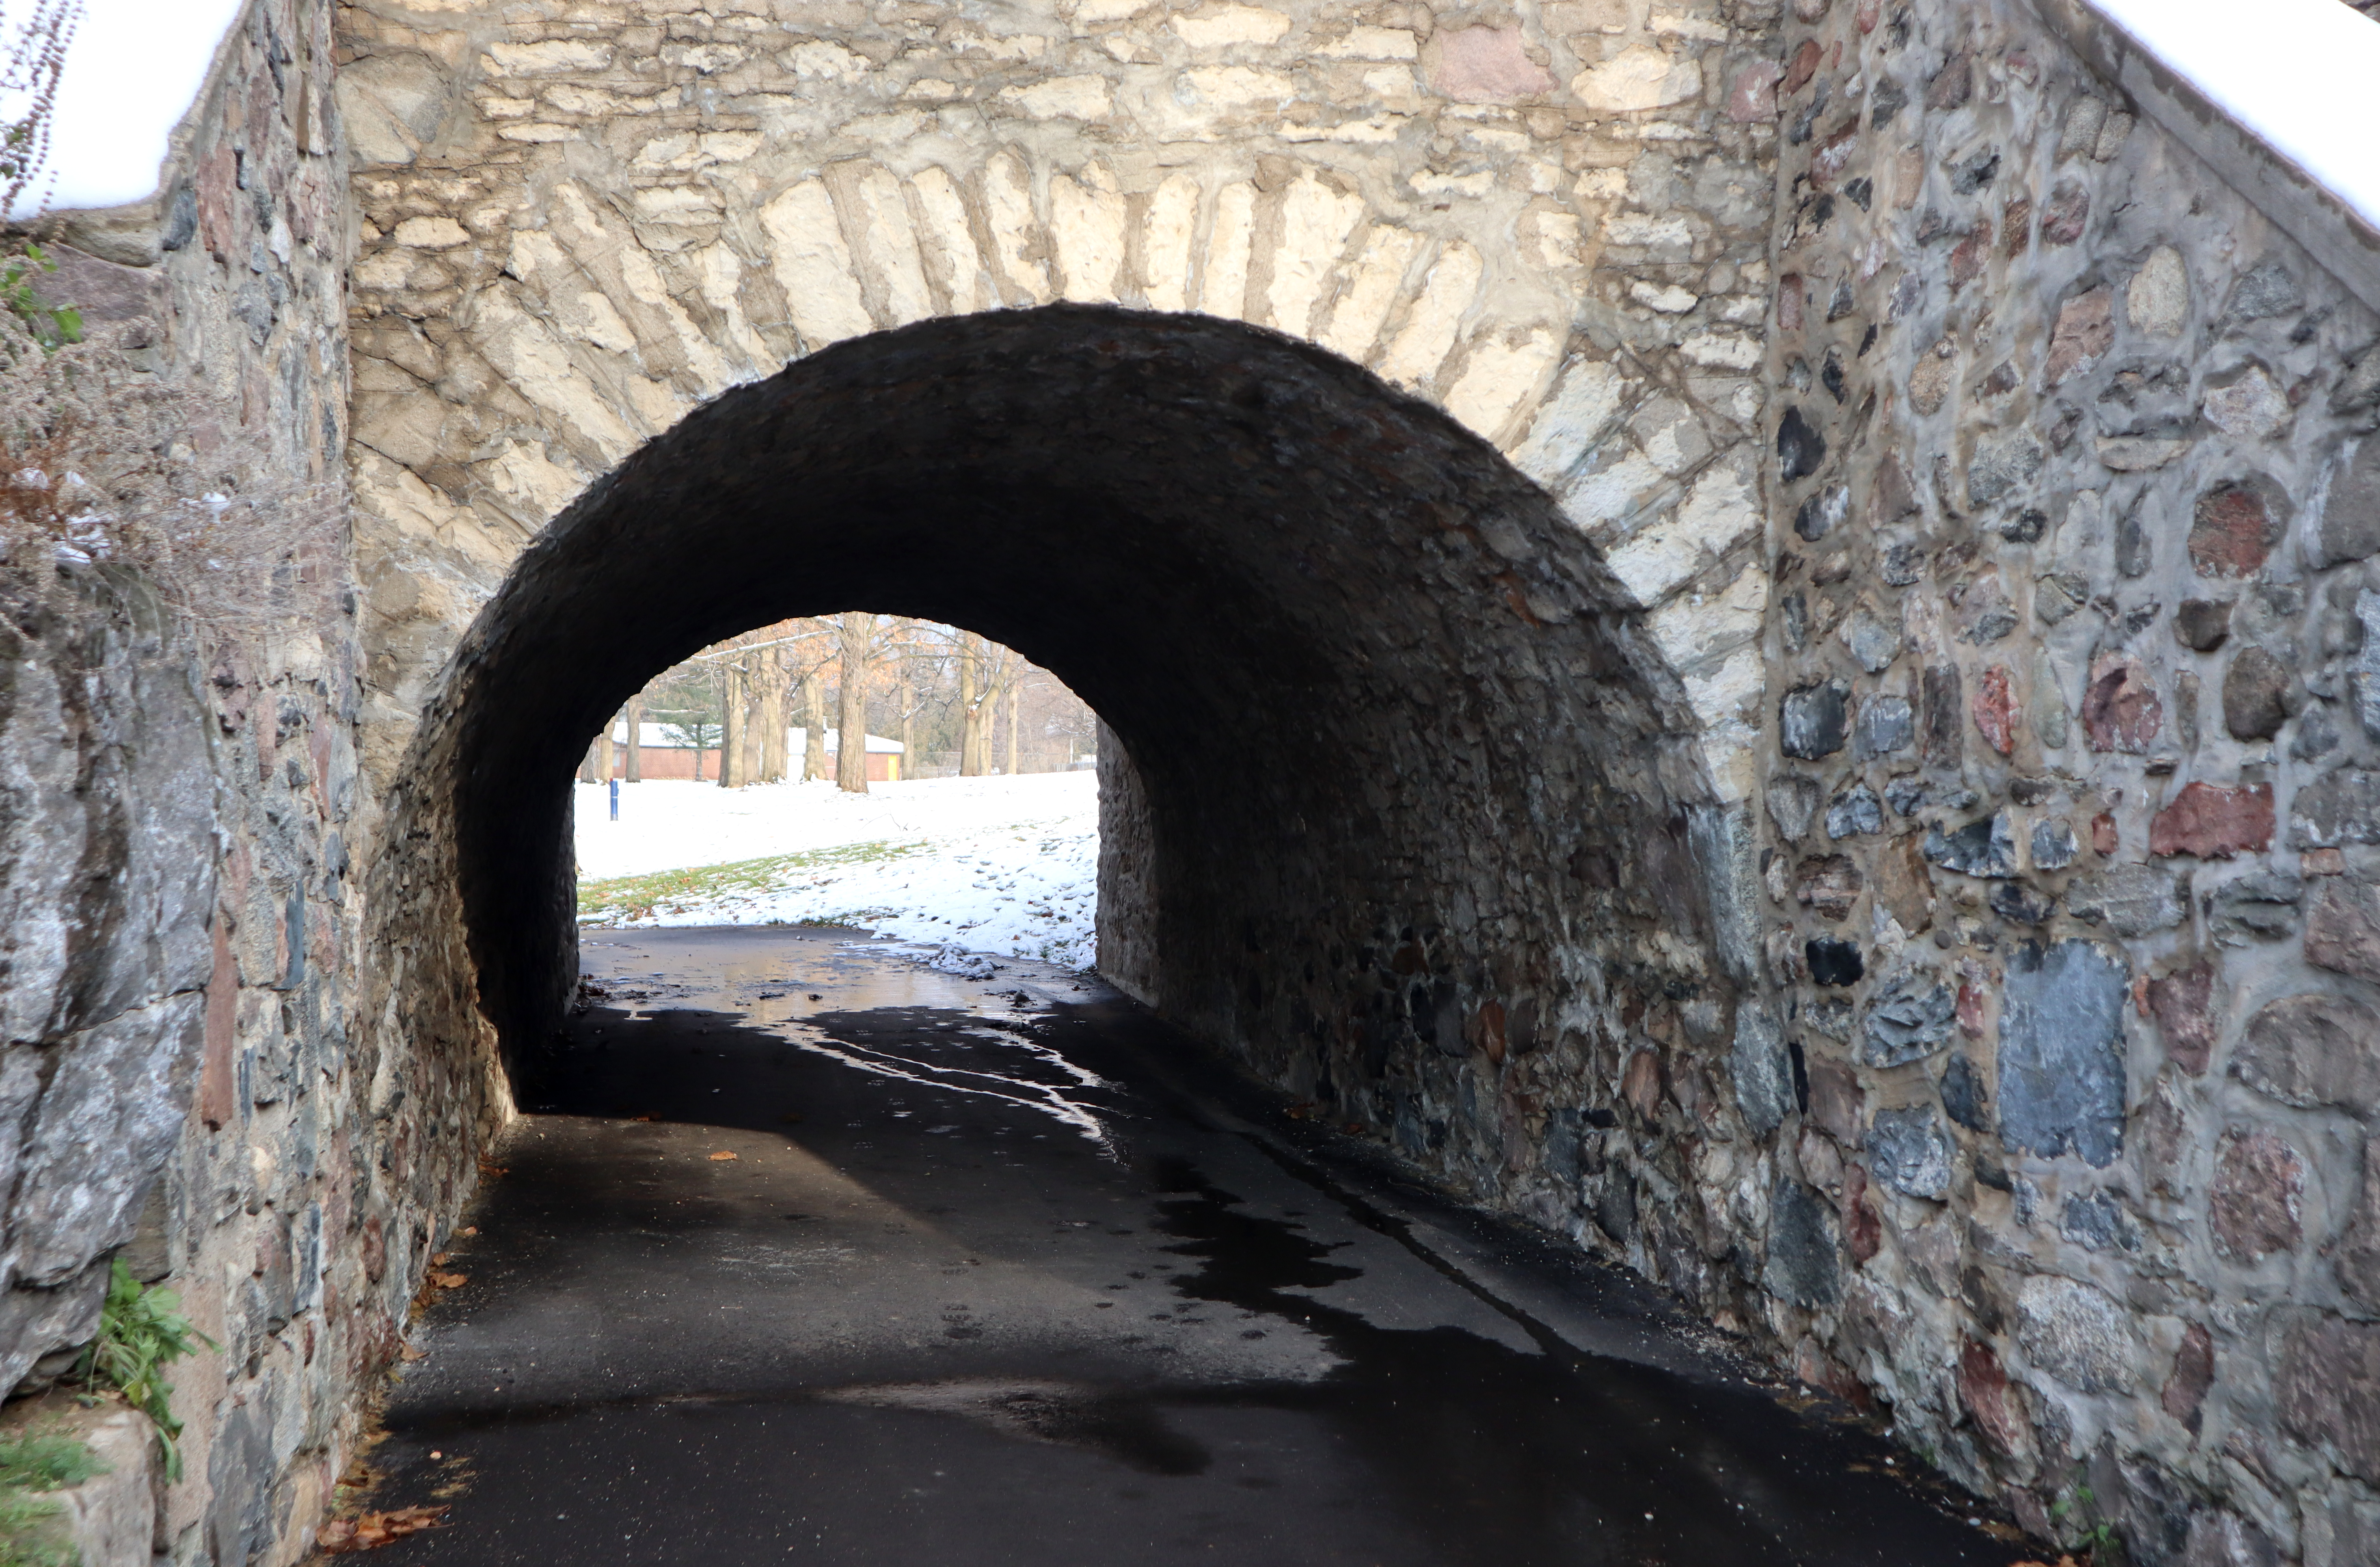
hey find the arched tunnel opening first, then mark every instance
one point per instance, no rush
(1401, 818)
(1399, 778)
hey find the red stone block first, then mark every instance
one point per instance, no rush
(1805, 67)
(2213, 822)
(1753, 96)
(2120, 710)
(1994, 710)
(2103, 835)
(2232, 533)
(2183, 1005)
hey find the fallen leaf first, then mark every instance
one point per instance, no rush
(439, 1258)
(724, 1153)
(469, 1230)
(407, 1351)
(450, 1281)
(373, 1530)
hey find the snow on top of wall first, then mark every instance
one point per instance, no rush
(133, 71)
(2300, 74)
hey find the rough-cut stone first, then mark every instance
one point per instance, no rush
(2314, 1049)
(2259, 1189)
(2358, 1255)
(2215, 822)
(1811, 719)
(1833, 961)
(1486, 64)
(2157, 301)
(2075, 1332)
(2131, 900)
(1793, 805)
(2342, 929)
(2202, 625)
(1872, 641)
(2341, 806)
(1802, 1266)
(2098, 1222)
(2193, 1374)
(2351, 517)
(2054, 848)
(1885, 726)
(2061, 1051)
(1909, 1151)
(1827, 884)
(2085, 330)
(2328, 1393)
(2254, 689)
(1912, 1016)
(2183, 1004)
(2120, 710)
(1964, 1098)
(1854, 813)
(2259, 905)
(2232, 530)
(1985, 847)
(2251, 405)
(1762, 1074)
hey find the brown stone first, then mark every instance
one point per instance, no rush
(2183, 1004)
(2215, 822)
(1968, 258)
(2203, 625)
(1836, 1101)
(1828, 884)
(1753, 94)
(2328, 1391)
(2342, 930)
(2103, 833)
(2193, 1374)
(2358, 1255)
(1939, 741)
(1485, 65)
(1863, 1231)
(1640, 1085)
(2253, 691)
(1803, 67)
(1984, 1388)
(1902, 884)
(1994, 710)
(2069, 212)
(1953, 84)
(2120, 710)
(2232, 530)
(2086, 329)
(2259, 1189)
(2314, 1049)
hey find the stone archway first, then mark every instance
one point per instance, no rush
(1411, 786)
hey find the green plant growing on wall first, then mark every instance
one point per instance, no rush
(2099, 1539)
(31, 1463)
(141, 1331)
(52, 326)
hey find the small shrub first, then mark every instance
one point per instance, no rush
(141, 1331)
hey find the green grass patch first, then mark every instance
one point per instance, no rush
(33, 1533)
(616, 898)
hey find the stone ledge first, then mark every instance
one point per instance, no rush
(2336, 235)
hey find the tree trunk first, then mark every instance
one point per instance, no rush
(772, 716)
(605, 751)
(586, 773)
(970, 711)
(730, 727)
(1015, 719)
(813, 727)
(636, 768)
(750, 735)
(851, 722)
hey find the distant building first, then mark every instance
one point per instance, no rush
(667, 755)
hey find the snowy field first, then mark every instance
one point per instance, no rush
(1005, 865)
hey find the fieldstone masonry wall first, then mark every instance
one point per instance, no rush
(2000, 486)
(2070, 795)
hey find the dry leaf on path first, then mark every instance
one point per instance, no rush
(371, 1530)
(407, 1351)
(724, 1153)
(450, 1281)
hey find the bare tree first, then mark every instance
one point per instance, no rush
(813, 726)
(731, 726)
(772, 713)
(1015, 722)
(636, 725)
(857, 648)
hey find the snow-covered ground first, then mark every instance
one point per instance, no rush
(1007, 865)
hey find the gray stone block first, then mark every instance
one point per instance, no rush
(2061, 1051)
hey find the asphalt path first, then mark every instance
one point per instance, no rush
(1004, 1271)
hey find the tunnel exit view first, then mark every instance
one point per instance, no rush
(1044, 782)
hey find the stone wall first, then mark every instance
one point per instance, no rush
(2069, 803)
(189, 1079)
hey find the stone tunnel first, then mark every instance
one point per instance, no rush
(1801, 571)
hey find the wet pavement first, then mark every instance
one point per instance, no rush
(1003, 1272)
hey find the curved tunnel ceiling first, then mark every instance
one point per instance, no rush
(1372, 684)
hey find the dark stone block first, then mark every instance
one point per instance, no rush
(1886, 724)
(1911, 1018)
(1985, 848)
(2203, 625)
(1945, 716)
(2021, 905)
(2341, 806)
(1800, 447)
(2253, 691)
(1835, 962)
(2098, 1222)
(1812, 719)
(2061, 1051)
(1803, 1266)
(2328, 1391)
(2054, 848)
(1909, 1152)
(1965, 1096)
